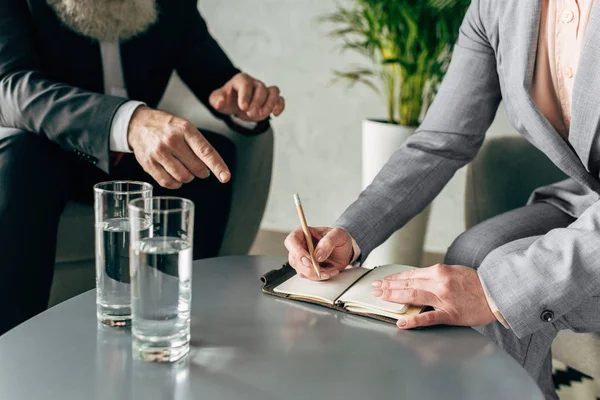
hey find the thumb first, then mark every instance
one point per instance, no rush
(333, 238)
(428, 318)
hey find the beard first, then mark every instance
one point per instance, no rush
(106, 20)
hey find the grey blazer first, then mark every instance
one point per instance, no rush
(493, 60)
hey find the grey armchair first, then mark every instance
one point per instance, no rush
(74, 271)
(501, 178)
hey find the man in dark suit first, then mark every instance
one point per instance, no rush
(68, 69)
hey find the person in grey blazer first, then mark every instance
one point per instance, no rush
(520, 277)
(79, 80)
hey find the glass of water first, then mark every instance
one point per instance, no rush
(113, 289)
(161, 274)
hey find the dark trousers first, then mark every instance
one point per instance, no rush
(37, 178)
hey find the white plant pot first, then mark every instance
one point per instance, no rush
(405, 246)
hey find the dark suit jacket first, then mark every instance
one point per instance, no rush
(51, 79)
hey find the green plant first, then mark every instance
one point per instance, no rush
(409, 43)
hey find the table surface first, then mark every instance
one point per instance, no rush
(247, 345)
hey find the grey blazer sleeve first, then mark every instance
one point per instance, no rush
(448, 138)
(559, 271)
(76, 119)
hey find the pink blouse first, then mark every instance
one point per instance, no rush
(562, 30)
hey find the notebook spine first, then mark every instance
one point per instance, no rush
(277, 275)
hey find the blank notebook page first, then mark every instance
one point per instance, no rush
(360, 298)
(327, 291)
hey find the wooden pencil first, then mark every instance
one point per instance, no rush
(307, 235)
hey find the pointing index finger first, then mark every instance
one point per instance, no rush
(207, 153)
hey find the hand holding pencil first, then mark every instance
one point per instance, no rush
(332, 249)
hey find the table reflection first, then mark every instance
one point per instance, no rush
(432, 346)
(204, 371)
(113, 363)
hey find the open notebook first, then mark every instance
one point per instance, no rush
(349, 292)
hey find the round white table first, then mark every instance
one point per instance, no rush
(248, 345)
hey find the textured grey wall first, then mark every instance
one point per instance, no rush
(318, 138)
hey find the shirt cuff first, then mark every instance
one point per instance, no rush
(244, 124)
(120, 126)
(355, 250)
(493, 306)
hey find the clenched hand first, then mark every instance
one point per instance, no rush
(247, 98)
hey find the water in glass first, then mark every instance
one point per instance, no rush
(112, 272)
(161, 294)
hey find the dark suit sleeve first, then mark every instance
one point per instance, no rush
(202, 64)
(76, 119)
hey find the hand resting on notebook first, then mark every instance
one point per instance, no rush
(454, 291)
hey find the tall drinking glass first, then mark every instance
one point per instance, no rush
(113, 289)
(161, 273)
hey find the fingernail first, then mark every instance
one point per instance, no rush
(335, 272)
(376, 284)
(306, 261)
(401, 322)
(320, 255)
(224, 176)
(325, 275)
(377, 293)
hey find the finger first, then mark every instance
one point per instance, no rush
(296, 243)
(161, 176)
(270, 103)
(301, 264)
(407, 296)
(244, 86)
(334, 238)
(324, 273)
(318, 232)
(207, 154)
(279, 107)
(296, 237)
(259, 96)
(423, 284)
(415, 273)
(183, 153)
(294, 262)
(175, 168)
(218, 99)
(304, 267)
(424, 319)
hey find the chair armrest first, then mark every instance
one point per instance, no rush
(251, 184)
(503, 176)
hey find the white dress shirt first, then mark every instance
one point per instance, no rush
(114, 85)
